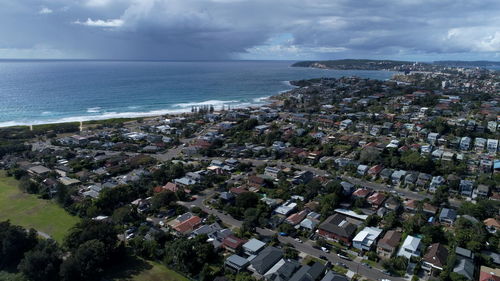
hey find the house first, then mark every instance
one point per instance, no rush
(398, 176)
(386, 173)
(348, 188)
(482, 190)
(308, 272)
(66, 181)
(187, 226)
(412, 205)
(282, 270)
(296, 218)
(253, 246)
(464, 263)
(361, 193)
(376, 199)
(479, 144)
(435, 258)
(392, 204)
(375, 170)
(465, 267)
(466, 187)
(209, 230)
(436, 182)
(492, 225)
(492, 146)
(184, 182)
(236, 263)
(411, 178)
(271, 172)
(387, 246)
(447, 216)
(38, 170)
(265, 260)
(338, 227)
(286, 208)
(309, 223)
(333, 276)
(432, 138)
(411, 247)
(362, 169)
(489, 274)
(232, 243)
(366, 238)
(423, 179)
(465, 143)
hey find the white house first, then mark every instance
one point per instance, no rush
(411, 247)
(366, 238)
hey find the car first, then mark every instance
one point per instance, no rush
(283, 234)
(341, 264)
(323, 257)
(344, 257)
(387, 272)
(130, 236)
(298, 240)
(325, 250)
(366, 264)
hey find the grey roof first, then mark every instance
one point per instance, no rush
(207, 229)
(494, 256)
(448, 214)
(332, 276)
(464, 267)
(266, 259)
(464, 252)
(253, 245)
(237, 261)
(284, 272)
(308, 273)
(338, 224)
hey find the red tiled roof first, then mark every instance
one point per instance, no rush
(233, 242)
(361, 192)
(171, 187)
(297, 217)
(188, 225)
(489, 274)
(238, 190)
(376, 198)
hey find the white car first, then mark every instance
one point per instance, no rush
(325, 250)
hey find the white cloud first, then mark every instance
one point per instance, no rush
(45, 11)
(101, 23)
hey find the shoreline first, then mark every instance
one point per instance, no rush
(259, 102)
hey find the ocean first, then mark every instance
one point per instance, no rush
(37, 92)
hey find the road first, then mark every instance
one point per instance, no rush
(371, 273)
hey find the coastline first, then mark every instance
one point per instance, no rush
(185, 110)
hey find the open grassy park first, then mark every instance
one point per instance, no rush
(31, 212)
(138, 269)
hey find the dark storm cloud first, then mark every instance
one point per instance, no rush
(215, 29)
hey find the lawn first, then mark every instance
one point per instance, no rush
(137, 269)
(29, 211)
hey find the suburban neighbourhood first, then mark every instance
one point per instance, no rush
(337, 179)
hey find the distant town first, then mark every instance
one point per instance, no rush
(337, 179)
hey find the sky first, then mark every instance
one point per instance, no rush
(417, 30)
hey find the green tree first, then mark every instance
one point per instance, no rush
(14, 242)
(42, 263)
(247, 200)
(86, 263)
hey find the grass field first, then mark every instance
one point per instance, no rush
(28, 211)
(137, 269)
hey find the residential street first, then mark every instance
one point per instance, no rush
(306, 248)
